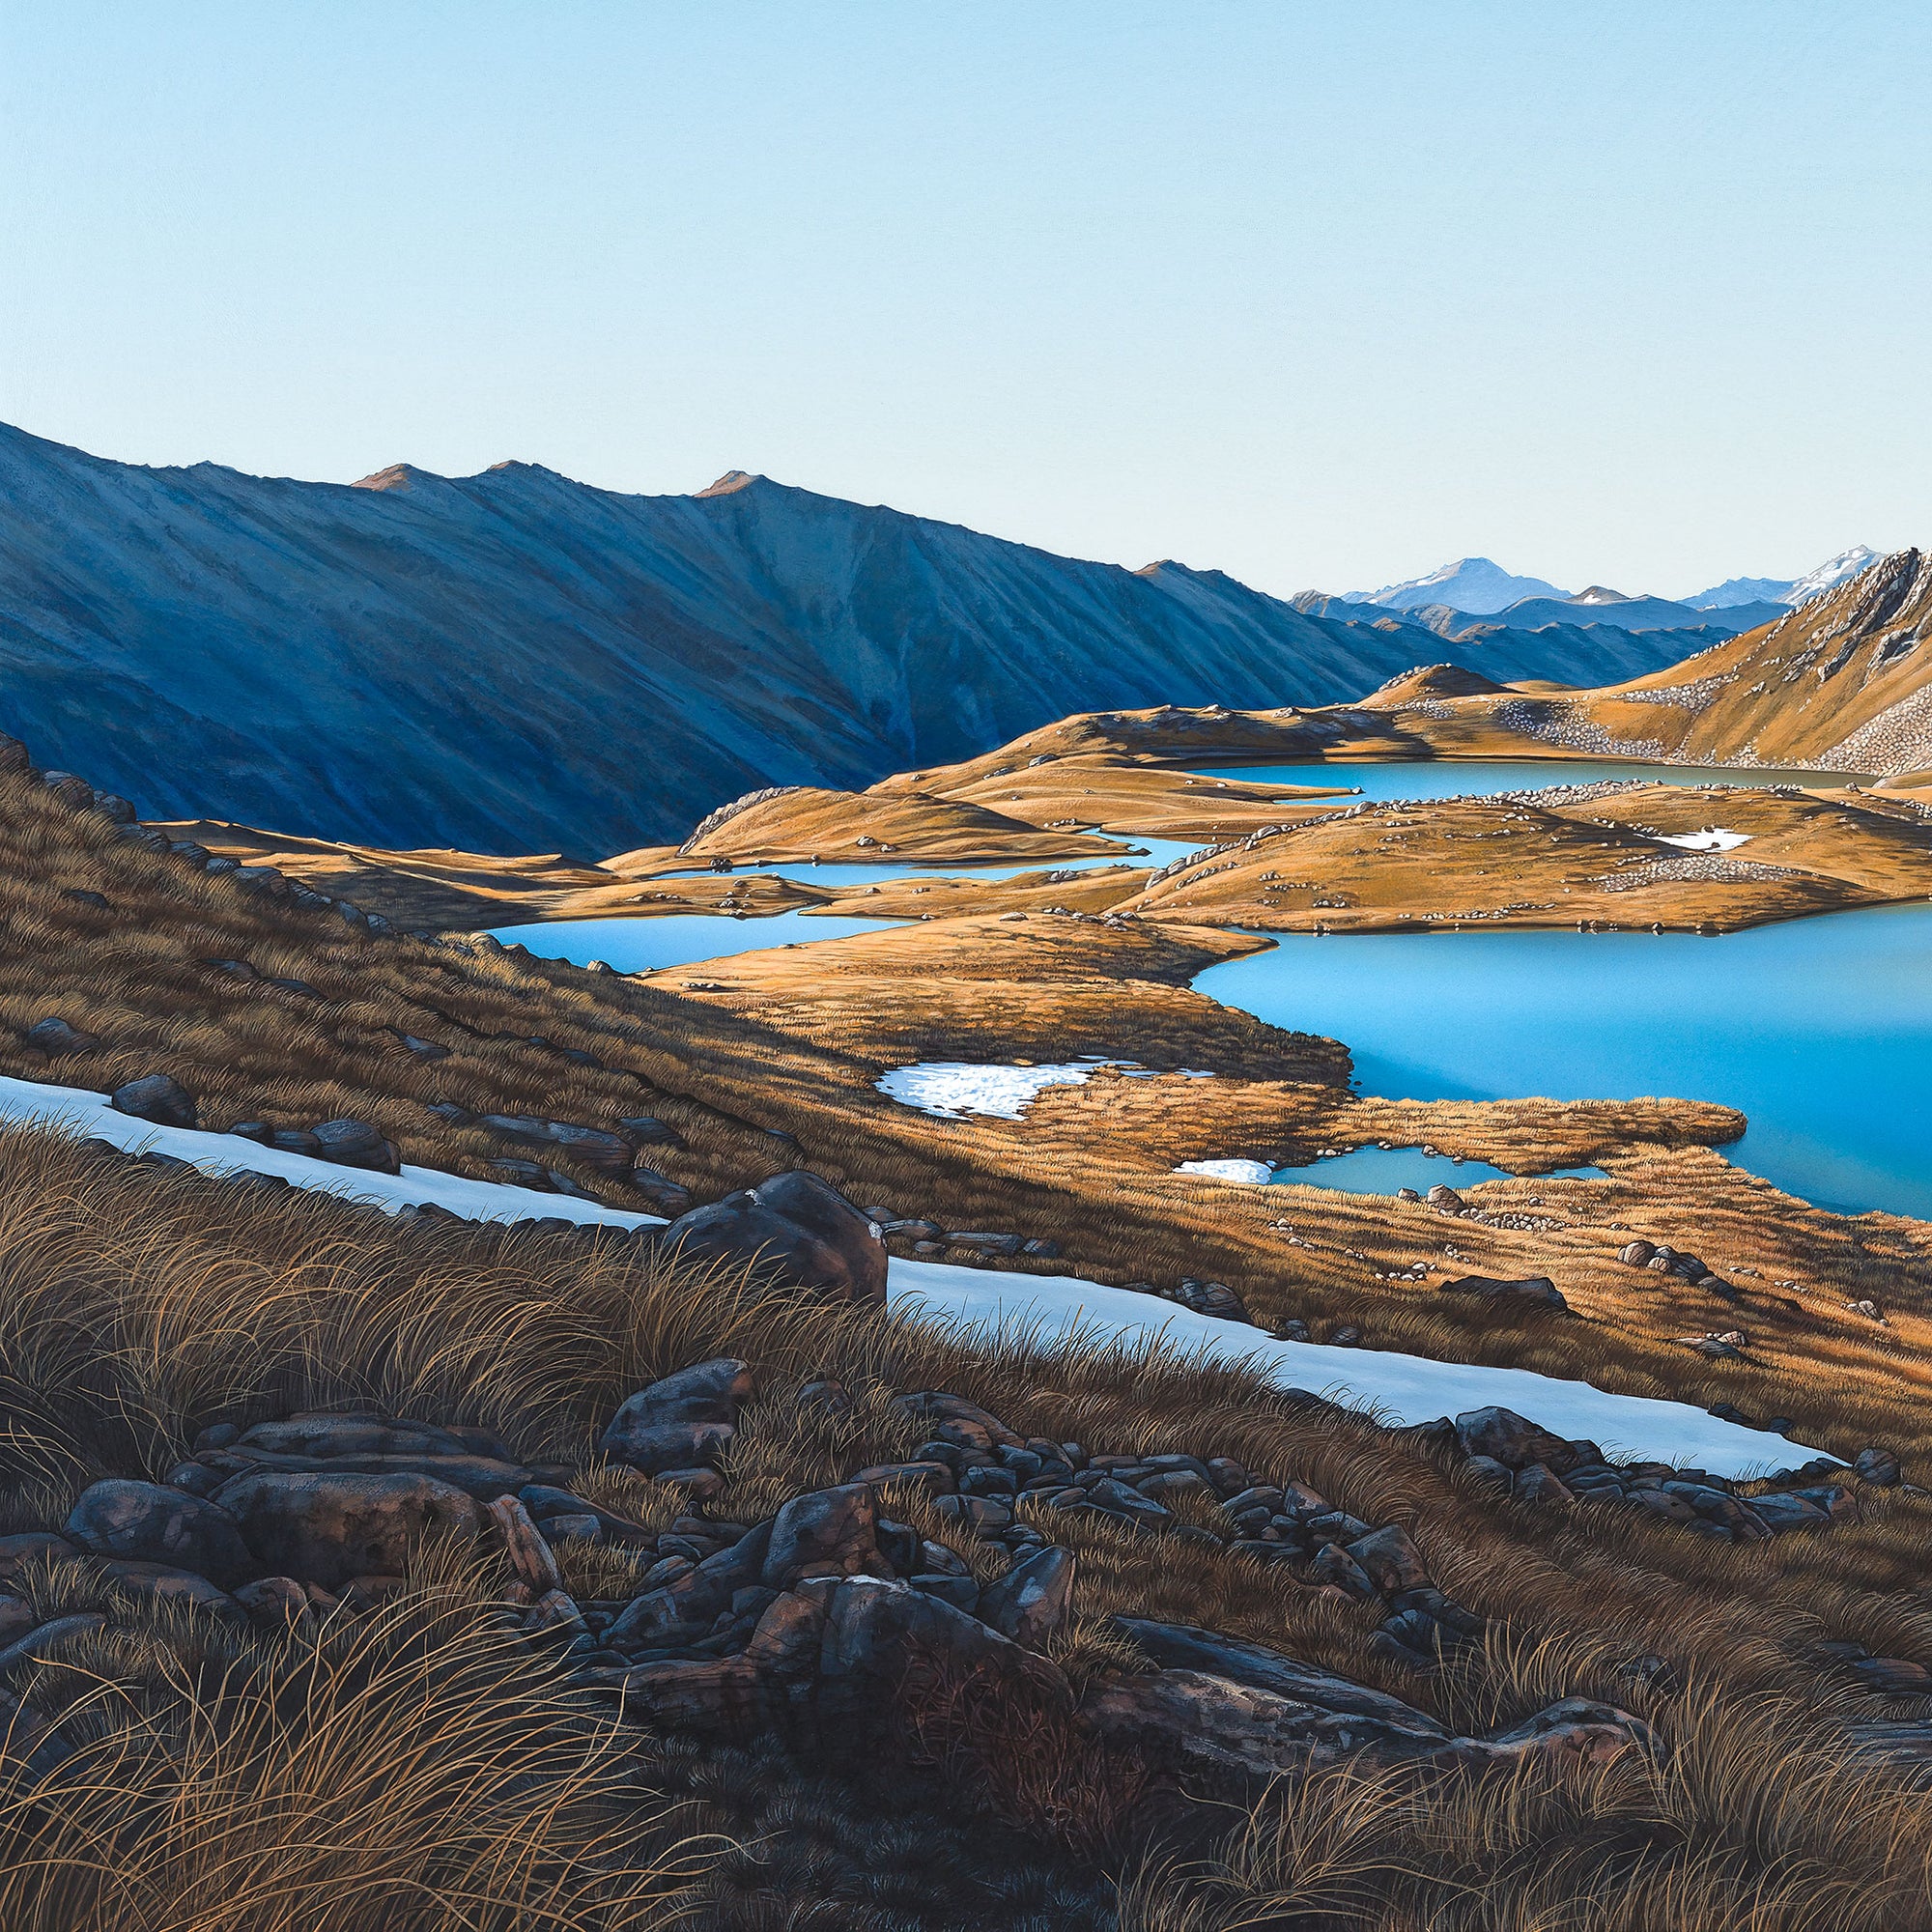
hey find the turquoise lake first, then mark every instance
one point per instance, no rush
(1383, 1169)
(1820, 1031)
(678, 939)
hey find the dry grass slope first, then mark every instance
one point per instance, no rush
(417, 1770)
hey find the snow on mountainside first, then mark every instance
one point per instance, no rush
(1840, 569)
(513, 660)
(1786, 591)
(1841, 682)
(1472, 584)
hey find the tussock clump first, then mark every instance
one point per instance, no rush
(784, 1446)
(413, 1770)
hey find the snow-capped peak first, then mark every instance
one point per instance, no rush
(1829, 575)
(1471, 584)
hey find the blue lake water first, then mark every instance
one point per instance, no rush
(1480, 778)
(1819, 1029)
(1383, 1169)
(678, 939)
(1156, 851)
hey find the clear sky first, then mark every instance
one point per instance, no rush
(1321, 295)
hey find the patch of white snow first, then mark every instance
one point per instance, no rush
(1398, 1389)
(952, 1089)
(1712, 838)
(1256, 1172)
(982, 1303)
(78, 1111)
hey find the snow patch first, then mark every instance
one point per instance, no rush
(78, 1111)
(952, 1089)
(982, 1303)
(1398, 1389)
(1712, 838)
(1258, 1172)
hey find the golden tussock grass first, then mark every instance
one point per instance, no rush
(1748, 1817)
(135, 1304)
(416, 1768)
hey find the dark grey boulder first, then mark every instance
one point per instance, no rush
(664, 1195)
(1513, 1441)
(826, 1533)
(684, 1421)
(875, 1627)
(350, 1434)
(27, 1549)
(689, 1600)
(275, 1600)
(74, 792)
(1003, 1245)
(357, 1144)
(1185, 1647)
(158, 1097)
(1535, 1294)
(1032, 1601)
(325, 1529)
(1390, 1559)
(1893, 1676)
(1332, 1564)
(1879, 1468)
(609, 1153)
(797, 1229)
(1236, 1735)
(49, 1636)
(961, 1592)
(1780, 1514)
(1537, 1484)
(146, 1522)
(953, 1419)
(54, 1035)
(826, 1659)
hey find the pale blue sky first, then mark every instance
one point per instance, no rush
(1320, 294)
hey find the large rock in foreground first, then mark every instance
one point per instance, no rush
(327, 1528)
(797, 1229)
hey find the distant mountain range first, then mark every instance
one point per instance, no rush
(1840, 682)
(1471, 584)
(514, 660)
(1474, 587)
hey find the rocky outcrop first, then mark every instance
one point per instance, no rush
(1511, 1301)
(822, 1621)
(149, 1522)
(1508, 1455)
(356, 1144)
(330, 1528)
